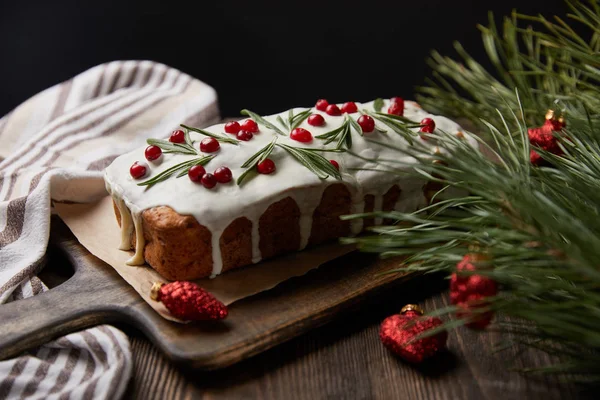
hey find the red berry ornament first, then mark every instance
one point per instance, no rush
(209, 145)
(188, 301)
(468, 292)
(232, 127)
(301, 135)
(334, 110)
(152, 153)
(208, 181)
(244, 135)
(322, 105)
(267, 166)
(250, 126)
(349, 107)
(138, 170)
(223, 175)
(397, 333)
(196, 173)
(544, 137)
(335, 164)
(316, 120)
(428, 125)
(366, 123)
(177, 136)
(396, 109)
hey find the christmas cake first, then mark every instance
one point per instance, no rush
(209, 200)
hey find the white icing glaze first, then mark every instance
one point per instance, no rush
(218, 207)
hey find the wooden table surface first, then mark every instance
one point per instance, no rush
(345, 360)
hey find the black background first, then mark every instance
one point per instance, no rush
(267, 56)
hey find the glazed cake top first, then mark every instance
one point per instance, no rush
(215, 208)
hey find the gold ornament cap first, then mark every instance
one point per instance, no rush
(155, 290)
(412, 307)
(549, 115)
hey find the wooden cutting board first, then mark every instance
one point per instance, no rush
(96, 294)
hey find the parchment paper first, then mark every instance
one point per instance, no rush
(95, 226)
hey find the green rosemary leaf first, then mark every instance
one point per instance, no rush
(220, 138)
(315, 162)
(355, 125)
(299, 118)
(282, 122)
(378, 105)
(396, 126)
(409, 123)
(200, 161)
(169, 147)
(260, 120)
(183, 166)
(259, 156)
(290, 119)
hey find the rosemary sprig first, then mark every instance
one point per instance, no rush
(169, 147)
(312, 160)
(343, 134)
(260, 120)
(398, 124)
(182, 168)
(378, 105)
(220, 138)
(259, 156)
(293, 120)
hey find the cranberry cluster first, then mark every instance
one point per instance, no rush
(244, 131)
(333, 110)
(198, 174)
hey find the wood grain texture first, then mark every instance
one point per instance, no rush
(345, 360)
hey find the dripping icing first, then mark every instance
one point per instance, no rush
(216, 208)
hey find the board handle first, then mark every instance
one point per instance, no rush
(36, 320)
(86, 299)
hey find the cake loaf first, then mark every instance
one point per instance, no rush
(210, 200)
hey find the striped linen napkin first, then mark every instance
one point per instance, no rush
(54, 147)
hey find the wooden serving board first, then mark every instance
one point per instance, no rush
(96, 294)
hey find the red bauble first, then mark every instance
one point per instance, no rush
(152, 153)
(544, 137)
(335, 164)
(223, 175)
(396, 109)
(138, 170)
(469, 292)
(196, 173)
(177, 136)
(321, 104)
(250, 126)
(188, 301)
(334, 110)
(232, 127)
(267, 166)
(366, 123)
(209, 145)
(349, 107)
(398, 331)
(316, 120)
(208, 181)
(301, 135)
(244, 135)
(428, 125)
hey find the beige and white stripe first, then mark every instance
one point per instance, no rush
(55, 146)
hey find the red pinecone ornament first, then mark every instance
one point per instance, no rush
(398, 331)
(188, 301)
(543, 137)
(468, 292)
